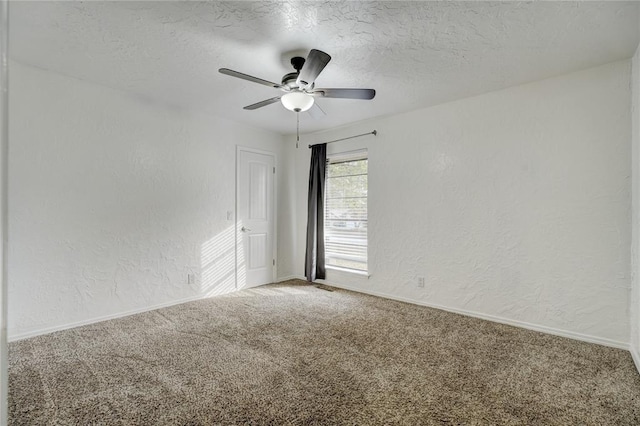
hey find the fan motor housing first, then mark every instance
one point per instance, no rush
(290, 80)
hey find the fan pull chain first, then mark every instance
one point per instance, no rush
(297, 128)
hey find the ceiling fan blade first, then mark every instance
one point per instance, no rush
(316, 112)
(262, 103)
(247, 77)
(313, 66)
(365, 94)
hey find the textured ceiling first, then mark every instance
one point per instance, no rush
(415, 54)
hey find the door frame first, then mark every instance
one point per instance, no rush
(239, 149)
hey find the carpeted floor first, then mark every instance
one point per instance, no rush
(292, 353)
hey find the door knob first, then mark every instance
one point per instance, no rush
(245, 229)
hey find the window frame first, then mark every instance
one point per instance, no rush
(337, 158)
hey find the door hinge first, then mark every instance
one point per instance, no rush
(274, 170)
(274, 262)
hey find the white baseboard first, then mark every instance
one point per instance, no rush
(289, 277)
(636, 357)
(297, 277)
(39, 332)
(516, 323)
(521, 324)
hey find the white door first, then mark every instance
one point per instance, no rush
(255, 221)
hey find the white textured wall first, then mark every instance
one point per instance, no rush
(514, 204)
(287, 215)
(4, 144)
(114, 200)
(634, 302)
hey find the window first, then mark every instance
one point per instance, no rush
(345, 213)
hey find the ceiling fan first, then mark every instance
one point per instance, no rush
(299, 86)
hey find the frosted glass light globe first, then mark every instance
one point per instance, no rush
(297, 101)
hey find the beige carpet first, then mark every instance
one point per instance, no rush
(296, 354)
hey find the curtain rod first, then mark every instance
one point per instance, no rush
(374, 133)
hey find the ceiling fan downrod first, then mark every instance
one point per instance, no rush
(297, 63)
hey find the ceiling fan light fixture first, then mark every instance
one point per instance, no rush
(297, 101)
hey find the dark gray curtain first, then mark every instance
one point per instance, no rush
(314, 259)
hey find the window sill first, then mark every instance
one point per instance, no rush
(348, 271)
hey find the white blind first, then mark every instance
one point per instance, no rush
(345, 218)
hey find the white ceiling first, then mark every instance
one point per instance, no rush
(415, 54)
